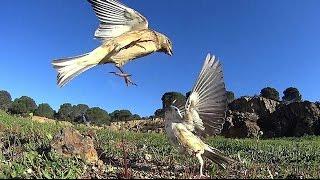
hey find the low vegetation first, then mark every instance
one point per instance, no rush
(25, 153)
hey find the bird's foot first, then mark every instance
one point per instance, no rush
(126, 77)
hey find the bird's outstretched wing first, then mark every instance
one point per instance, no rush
(116, 18)
(207, 102)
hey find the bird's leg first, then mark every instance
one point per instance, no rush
(125, 75)
(198, 155)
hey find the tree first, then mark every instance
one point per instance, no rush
(169, 97)
(55, 115)
(159, 113)
(291, 94)
(115, 116)
(5, 100)
(23, 105)
(64, 112)
(270, 93)
(78, 111)
(188, 94)
(125, 115)
(230, 96)
(135, 117)
(97, 116)
(44, 110)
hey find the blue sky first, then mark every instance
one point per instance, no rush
(260, 43)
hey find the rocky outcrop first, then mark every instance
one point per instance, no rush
(252, 117)
(69, 142)
(245, 114)
(241, 125)
(258, 105)
(295, 119)
(249, 115)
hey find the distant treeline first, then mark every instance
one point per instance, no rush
(82, 113)
(24, 106)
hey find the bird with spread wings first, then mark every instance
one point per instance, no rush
(202, 115)
(125, 36)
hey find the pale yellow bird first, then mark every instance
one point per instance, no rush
(125, 36)
(202, 115)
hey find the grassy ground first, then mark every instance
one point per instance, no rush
(25, 153)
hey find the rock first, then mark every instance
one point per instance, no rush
(295, 119)
(69, 142)
(148, 157)
(259, 105)
(241, 125)
(29, 171)
(294, 176)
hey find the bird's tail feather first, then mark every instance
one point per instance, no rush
(69, 68)
(218, 157)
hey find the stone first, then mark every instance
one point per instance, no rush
(148, 157)
(241, 125)
(69, 142)
(259, 105)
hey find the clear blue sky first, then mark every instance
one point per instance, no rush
(260, 43)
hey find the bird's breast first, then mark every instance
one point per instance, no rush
(135, 51)
(169, 131)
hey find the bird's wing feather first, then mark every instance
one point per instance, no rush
(116, 19)
(208, 99)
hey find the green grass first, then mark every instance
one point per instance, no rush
(25, 153)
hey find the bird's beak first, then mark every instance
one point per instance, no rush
(170, 52)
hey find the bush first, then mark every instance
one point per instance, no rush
(135, 117)
(125, 115)
(169, 97)
(5, 100)
(188, 94)
(64, 112)
(78, 111)
(159, 113)
(291, 94)
(121, 115)
(114, 116)
(23, 106)
(270, 93)
(230, 96)
(97, 116)
(44, 110)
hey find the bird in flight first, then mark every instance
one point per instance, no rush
(125, 36)
(203, 115)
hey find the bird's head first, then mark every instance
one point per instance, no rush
(166, 45)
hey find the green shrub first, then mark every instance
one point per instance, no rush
(5, 100)
(23, 106)
(98, 116)
(270, 93)
(44, 110)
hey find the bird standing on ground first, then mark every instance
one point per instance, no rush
(125, 36)
(202, 115)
